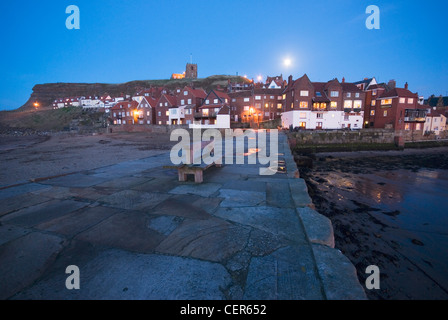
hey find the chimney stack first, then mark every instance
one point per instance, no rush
(392, 84)
(343, 79)
(406, 86)
(289, 80)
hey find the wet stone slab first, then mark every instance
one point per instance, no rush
(20, 190)
(127, 230)
(239, 198)
(76, 222)
(23, 260)
(133, 200)
(165, 224)
(162, 185)
(212, 240)
(203, 189)
(9, 233)
(123, 183)
(245, 185)
(43, 212)
(279, 195)
(187, 206)
(286, 274)
(19, 202)
(120, 275)
(278, 221)
(77, 180)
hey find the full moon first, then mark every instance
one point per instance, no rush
(287, 62)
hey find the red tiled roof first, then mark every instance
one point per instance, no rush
(398, 92)
(125, 105)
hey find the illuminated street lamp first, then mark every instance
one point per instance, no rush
(36, 104)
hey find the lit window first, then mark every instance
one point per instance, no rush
(205, 112)
(246, 108)
(320, 124)
(348, 104)
(284, 96)
(402, 100)
(410, 100)
(386, 101)
(147, 114)
(167, 113)
(258, 105)
(185, 93)
(357, 104)
(385, 113)
(271, 97)
(407, 126)
(334, 104)
(266, 105)
(303, 104)
(323, 105)
(257, 97)
(279, 97)
(292, 105)
(374, 93)
(315, 105)
(161, 104)
(304, 93)
(279, 105)
(207, 101)
(246, 99)
(373, 103)
(372, 112)
(334, 94)
(215, 101)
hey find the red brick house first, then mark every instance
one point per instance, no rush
(124, 112)
(398, 109)
(322, 105)
(165, 102)
(214, 101)
(189, 100)
(146, 113)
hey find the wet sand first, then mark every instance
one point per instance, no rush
(23, 158)
(388, 209)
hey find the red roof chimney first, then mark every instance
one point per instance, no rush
(289, 80)
(343, 79)
(406, 86)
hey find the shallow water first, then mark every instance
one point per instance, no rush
(412, 205)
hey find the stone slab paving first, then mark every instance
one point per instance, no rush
(135, 232)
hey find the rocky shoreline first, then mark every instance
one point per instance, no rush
(365, 231)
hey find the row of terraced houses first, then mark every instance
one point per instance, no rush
(300, 104)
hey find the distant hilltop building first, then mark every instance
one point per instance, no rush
(191, 71)
(178, 76)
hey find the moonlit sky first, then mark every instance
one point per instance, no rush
(121, 41)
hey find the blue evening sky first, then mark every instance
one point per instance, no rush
(120, 41)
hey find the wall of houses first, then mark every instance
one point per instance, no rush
(364, 136)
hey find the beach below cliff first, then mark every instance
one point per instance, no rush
(35, 156)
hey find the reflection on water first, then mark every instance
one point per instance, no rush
(420, 197)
